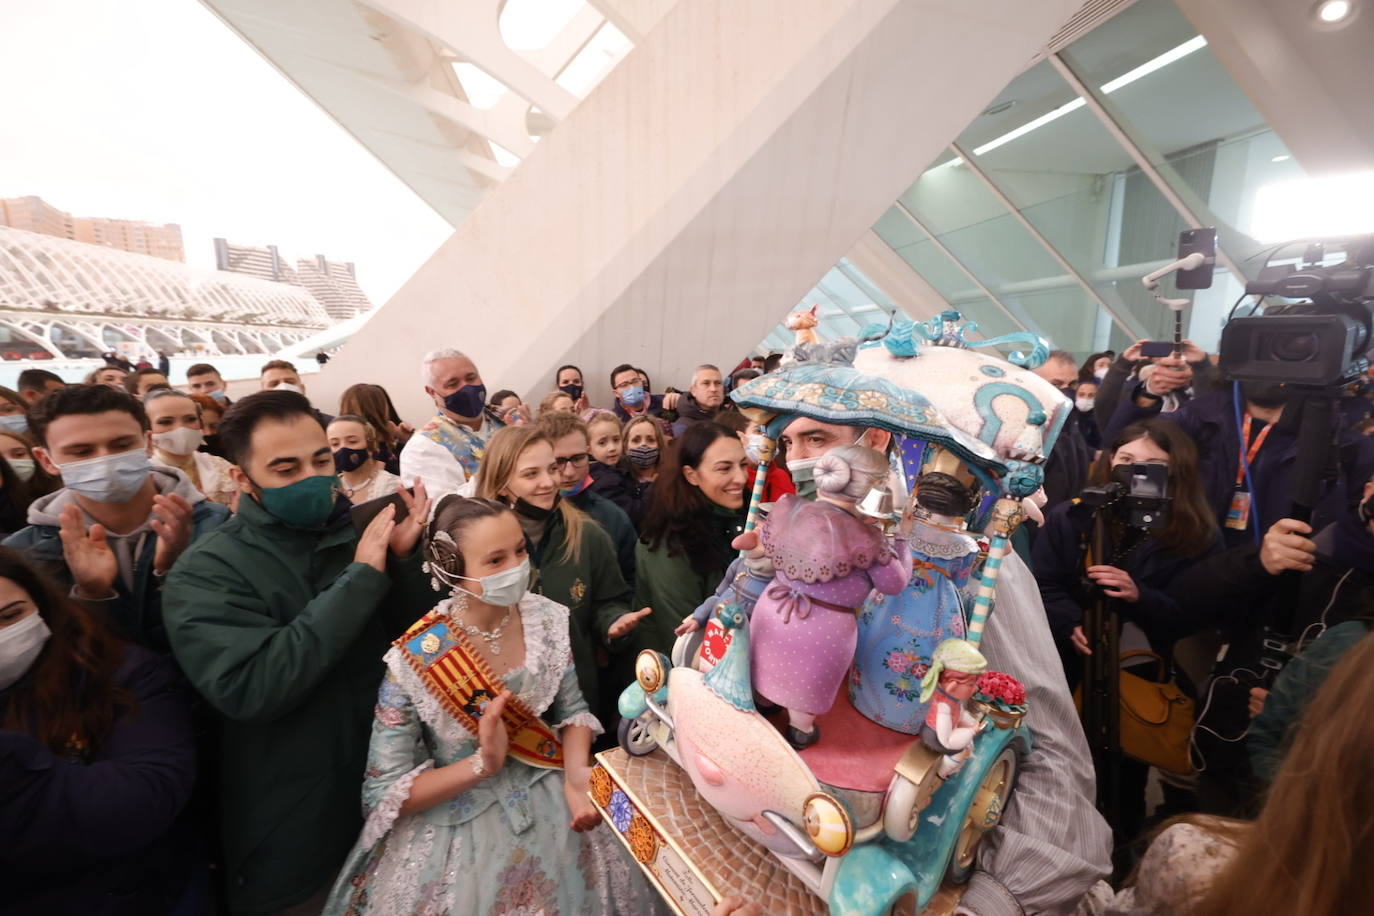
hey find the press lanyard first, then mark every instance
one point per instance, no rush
(1246, 459)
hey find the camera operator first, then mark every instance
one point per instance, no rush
(1247, 503)
(1240, 592)
(1136, 574)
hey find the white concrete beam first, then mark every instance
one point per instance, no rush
(732, 158)
(470, 28)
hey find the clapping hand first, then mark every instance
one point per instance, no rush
(407, 532)
(172, 523)
(88, 555)
(492, 740)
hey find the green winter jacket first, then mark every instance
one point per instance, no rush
(283, 634)
(1272, 731)
(667, 583)
(592, 589)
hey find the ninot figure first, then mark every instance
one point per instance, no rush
(948, 686)
(827, 557)
(898, 634)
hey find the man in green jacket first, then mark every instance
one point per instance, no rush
(280, 620)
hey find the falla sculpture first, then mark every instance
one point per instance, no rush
(835, 707)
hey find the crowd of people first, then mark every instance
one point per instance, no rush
(218, 624)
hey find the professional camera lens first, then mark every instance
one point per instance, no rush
(1288, 347)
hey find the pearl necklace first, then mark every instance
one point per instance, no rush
(491, 637)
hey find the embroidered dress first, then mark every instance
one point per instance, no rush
(466, 446)
(503, 848)
(898, 633)
(802, 630)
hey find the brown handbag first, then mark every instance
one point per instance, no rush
(1156, 717)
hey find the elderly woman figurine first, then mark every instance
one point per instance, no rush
(827, 556)
(950, 683)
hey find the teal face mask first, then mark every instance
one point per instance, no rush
(803, 472)
(304, 504)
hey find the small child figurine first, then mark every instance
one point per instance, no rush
(827, 556)
(950, 683)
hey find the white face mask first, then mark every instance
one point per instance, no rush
(287, 386)
(19, 647)
(23, 468)
(499, 589)
(180, 441)
(1083, 404)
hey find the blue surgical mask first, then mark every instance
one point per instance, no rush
(15, 423)
(219, 395)
(468, 401)
(109, 478)
(633, 396)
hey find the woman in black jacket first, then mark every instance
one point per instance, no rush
(1136, 573)
(97, 761)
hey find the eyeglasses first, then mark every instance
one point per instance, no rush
(575, 460)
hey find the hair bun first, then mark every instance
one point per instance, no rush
(832, 473)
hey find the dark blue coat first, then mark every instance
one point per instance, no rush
(1211, 421)
(97, 837)
(1057, 561)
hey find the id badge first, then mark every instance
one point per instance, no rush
(1238, 516)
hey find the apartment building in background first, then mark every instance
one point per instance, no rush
(333, 283)
(33, 214)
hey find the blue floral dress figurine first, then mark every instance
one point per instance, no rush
(504, 847)
(898, 634)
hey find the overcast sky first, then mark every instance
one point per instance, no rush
(154, 110)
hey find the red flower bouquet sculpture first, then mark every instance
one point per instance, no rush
(1003, 697)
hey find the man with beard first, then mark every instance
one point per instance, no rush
(1246, 457)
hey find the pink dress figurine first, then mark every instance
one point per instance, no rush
(828, 557)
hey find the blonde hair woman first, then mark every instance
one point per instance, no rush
(575, 557)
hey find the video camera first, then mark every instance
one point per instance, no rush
(1145, 500)
(1318, 343)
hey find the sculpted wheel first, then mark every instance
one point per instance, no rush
(984, 813)
(634, 737)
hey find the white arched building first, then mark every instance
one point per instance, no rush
(61, 299)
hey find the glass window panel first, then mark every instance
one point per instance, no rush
(1082, 192)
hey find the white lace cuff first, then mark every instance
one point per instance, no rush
(582, 718)
(384, 815)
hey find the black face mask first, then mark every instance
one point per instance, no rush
(1264, 394)
(350, 459)
(572, 391)
(533, 512)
